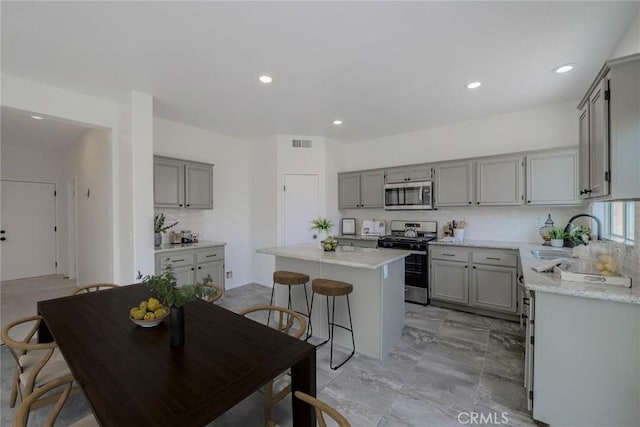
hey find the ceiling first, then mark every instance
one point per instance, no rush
(18, 128)
(382, 67)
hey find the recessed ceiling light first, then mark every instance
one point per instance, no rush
(265, 79)
(474, 85)
(337, 122)
(563, 68)
(37, 117)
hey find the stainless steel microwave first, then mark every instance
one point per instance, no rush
(408, 196)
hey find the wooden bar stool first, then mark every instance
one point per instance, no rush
(291, 278)
(333, 288)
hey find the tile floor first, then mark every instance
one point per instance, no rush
(446, 364)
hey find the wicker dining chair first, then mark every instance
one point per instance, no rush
(219, 292)
(93, 288)
(290, 323)
(322, 408)
(61, 389)
(36, 363)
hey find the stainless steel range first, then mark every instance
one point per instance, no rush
(413, 236)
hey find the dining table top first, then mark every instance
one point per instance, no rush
(131, 375)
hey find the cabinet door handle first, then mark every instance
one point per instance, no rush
(494, 258)
(209, 256)
(477, 203)
(188, 205)
(3, 239)
(180, 205)
(466, 266)
(474, 267)
(192, 268)
(449, 254)
(177, 260)
(199, 268)
(469, 201)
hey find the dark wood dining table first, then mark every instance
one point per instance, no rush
(131, 376)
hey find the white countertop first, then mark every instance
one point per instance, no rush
(550, 282)
(168, 247)
(348, 256)
(357, 237)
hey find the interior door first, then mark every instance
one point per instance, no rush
(28, 237)
(301, 206)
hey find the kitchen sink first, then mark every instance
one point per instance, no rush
(551, 253)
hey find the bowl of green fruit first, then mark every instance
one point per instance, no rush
(329, 244)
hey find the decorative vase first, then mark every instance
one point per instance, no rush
(557, 243)
(177, 326)
(544, 231)
(157, 239)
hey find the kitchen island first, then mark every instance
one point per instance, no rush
(377, 301)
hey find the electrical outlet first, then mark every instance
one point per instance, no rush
(229, 274)
(540, 221)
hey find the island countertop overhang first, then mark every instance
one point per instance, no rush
(349, 256)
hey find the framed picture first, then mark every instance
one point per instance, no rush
(348, 226)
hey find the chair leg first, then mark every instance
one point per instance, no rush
(310, 327)
(268, 404)
(14, 389)
(328, 325)
(306, 300)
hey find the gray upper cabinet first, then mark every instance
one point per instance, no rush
(198, 186)
(408, 174)
(182, 184)
(499, 181)
(168, 183)
(599, 140)
(552, 178)
(454, 186)
(361, 190)
(583, 139)
(609, 123)
(624, 125)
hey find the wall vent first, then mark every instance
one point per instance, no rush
(301, 143)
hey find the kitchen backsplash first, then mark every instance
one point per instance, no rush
(517, 224)
(191, 220)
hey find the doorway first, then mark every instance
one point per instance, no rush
(301, 206)
(28, 229)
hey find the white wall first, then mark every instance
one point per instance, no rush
(90, 161)
(264, 218)
(40, 164)
(630, 41)
(551, 126)
(230, 220)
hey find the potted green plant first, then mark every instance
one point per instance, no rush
(581, 235)
(165, 288)
(557, 235)
(323, 226)
(159, 227)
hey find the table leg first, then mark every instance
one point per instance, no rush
(303, 378)
(44, 335)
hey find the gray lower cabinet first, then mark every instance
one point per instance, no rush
(361, 189)
(182, 184)
(450, 281)
(192, 265)
(493, 287)
(484, 279)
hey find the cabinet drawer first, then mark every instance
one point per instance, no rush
(180, 259)
(448, 253)
(495, 258)
(208, 255)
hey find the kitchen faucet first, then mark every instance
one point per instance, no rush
(570, 227)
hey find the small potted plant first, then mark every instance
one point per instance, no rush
(557, 235)
(323, 226)
(166, 289)
(160, 228)
(581, 235)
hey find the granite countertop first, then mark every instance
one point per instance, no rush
(356, 237)
(168, 247)
(550, 282)
(348, 256)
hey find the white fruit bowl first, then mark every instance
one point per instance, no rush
(148, 323)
